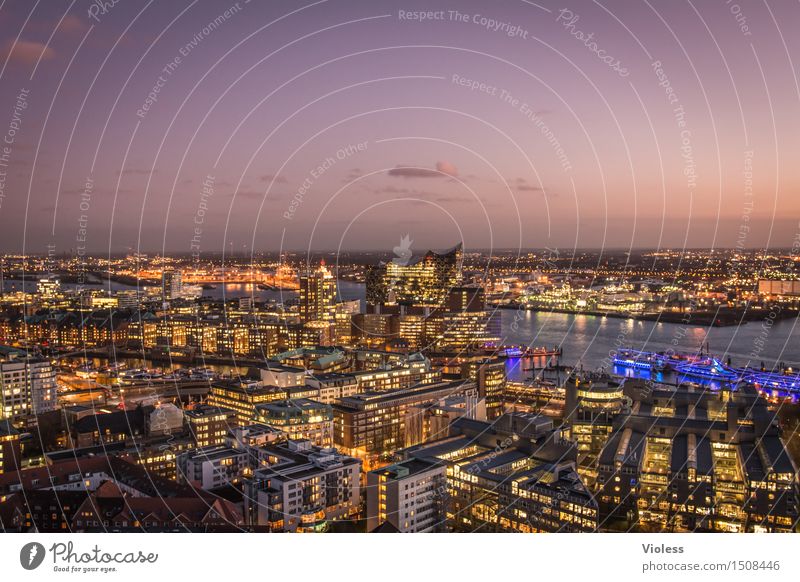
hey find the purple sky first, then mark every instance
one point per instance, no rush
(557, 148)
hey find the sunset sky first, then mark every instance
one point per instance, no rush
(349, 124)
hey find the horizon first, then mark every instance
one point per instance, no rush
(420, 250)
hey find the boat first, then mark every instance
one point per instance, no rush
(770, 380)
(638, 360)
(708, 368)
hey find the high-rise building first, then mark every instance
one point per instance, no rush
(490, 376)
(171, 284)
(425, 280)
(27, 384)
(318, 295)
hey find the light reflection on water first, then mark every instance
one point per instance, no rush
(588, 340)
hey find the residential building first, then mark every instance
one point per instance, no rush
(302, 489)
(410, 495)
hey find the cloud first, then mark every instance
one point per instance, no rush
(278, 179)
(138, 171)
(447, 168)
(26, 52)
(73, 24)
(392, 190)
(442, 169)
(523, 186)
(352, 175)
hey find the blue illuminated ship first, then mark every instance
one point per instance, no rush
(639, 360)
(708, 369)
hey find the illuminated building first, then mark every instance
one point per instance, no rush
(424, 280)
(490, 377)
(264, 335)
(373, 329)
(233, 339)
(690, 459)
(318, 295)
(212, 466)
(331, 387)
(158, 456)
(548, 498)
(317, 333)
(412, 328)
(410, 495)
(171, 284)
(120, 426)
(369, 359)
(778, 287)
(282, 376)
(316, 359)
(209, 425)
(414, 371)
(302, 488)
(9, 447)
(299, 418)
(242, 397)
(465, 298)
(48, 288)
(514, 474)
(27, 384)
(463, 330)
(591, 402)
(375, 423)
(128, 299)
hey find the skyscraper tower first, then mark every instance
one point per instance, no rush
(171, 284)
(318, 295)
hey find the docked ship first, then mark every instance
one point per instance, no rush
(638, 360)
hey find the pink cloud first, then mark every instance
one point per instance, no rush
(26, 52)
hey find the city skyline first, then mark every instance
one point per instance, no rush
(132, 124)
(394, 266)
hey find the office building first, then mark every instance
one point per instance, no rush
(242, 397)
(378, 423)
(299, 419)
(514, 474)
(691, 459)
